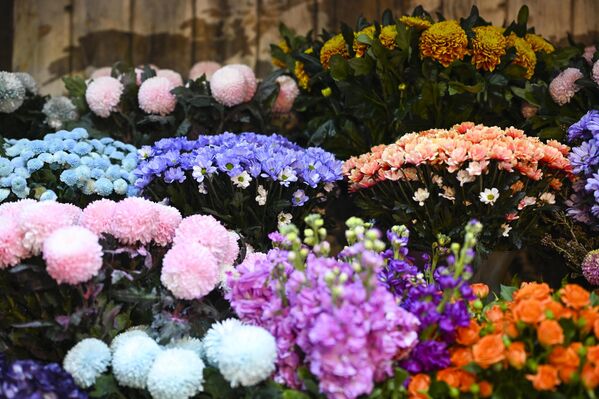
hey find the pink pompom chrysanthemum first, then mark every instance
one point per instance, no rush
(203, 68)
(189, 271)
(589, 52)
(155, 96)
(97, 216)
(133, 221)
(228, 86)
(250, 80)
(590, 267)
(209, 232)
(595, 72)
(564, 86)
(101, 72)
(73, 255)
(288, 92)
(167, 221)
(103, 95)
(15, 208)
(172, 76)
(11, 242)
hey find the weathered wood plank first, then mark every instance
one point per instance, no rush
(551, 18)
(41, 41)
(6, 34)
(207, 25)
(585, 25)
(492, 10)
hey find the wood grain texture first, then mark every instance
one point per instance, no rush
(6, 34)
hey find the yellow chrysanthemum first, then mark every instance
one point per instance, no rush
(415, 22)
(388, 35)
(538, 43)
(525, 55)
(488, 45)
(360, 48)
(301, 75)
(335, 45)
(445, 42)
(285, 48)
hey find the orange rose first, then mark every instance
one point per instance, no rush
(559, 311)
(418, 386)
(516, 354)
(566, 361)
(512, 330)
(530, 311)
(481, 290)
(486, 389)
(589, 316)
(457, 378)
(494, 314)
(460, 357)
(590, 376)
(538, 291)
(550, 332)
(545, 379)
(596, 328)
(468, 335)
(593, 354)
(574, 296)
(488, 350)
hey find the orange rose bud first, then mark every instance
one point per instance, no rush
(545, 379)
(516, 355)
(590, 376)
(468, 335)
(481, 290)
(559, 311)
(566, 361)
(538, 291)
(488, 350)
(486, 389)
(495, 314)
(574, 296)
(418, 386)
(450, 376)
(550, 332)
(589, 316)
(530, 311)
(593, 354)
(461, 357)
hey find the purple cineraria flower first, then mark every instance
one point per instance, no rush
(174, 175)
(299, 198)
(585, 158)
(587, 125)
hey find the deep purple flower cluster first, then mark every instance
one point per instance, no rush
(29, 379)
(583, 205)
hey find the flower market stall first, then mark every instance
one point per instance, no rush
(367, 200)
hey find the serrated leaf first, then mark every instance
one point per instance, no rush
(507, 291)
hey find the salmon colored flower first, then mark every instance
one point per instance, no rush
(530, 311)
(489, 350)
(550, 332)
(461, 357)
(481, 290)
(486, 389)
(574, 296)
(596, 328)
(593, 354)
(516, 355)
(468, 335)
(418, 386)
(545, 379)
(538, 291)
(589, 316)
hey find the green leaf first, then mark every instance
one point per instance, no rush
(553, 132)
(106, 386)
(289, 394)
(339, 67)
(456, 87)
(361, 66)
(507, 292)
(523, 15)
(594, 299)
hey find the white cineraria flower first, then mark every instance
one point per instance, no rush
(242, 180)
(465, 177)
(438, 180)
(489, 196)
(198, 173)
(505, 229)
(284, 218)
(262, 195)
(202, 189)
(448, 193)
(328, 187)
(421, 195)
(144, 152)
(287, 175)
(548, 198)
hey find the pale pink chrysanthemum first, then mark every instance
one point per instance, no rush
(133, 221)
(595, 72)
(208, 231)
(288, 92)
(172, 76)
(250, 80)
(228, 86)
(11, 242)
(73, 255)
(97, 216)
(203, 68)
(103, 95)
(564, 86)
(189, 270)
(41, 219)
(155, 96)
(100, 72)
(140, 70)
(167, 221)
(233, 251)
(14, 208)
(589, 52)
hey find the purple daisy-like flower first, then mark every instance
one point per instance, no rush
(590, 267)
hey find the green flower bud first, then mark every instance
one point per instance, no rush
(326, 92)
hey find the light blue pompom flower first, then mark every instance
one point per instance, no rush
(79, 133)
(27, 154)
(69, 177)
(34, 164)
(213, 338)
(106, 140)
(120, 186)
(176, 374)
(48, 195)
(87, 360)
(120, 339)
(17, 162)
(250, 363)
(6, 181)
(45, 157)
(129, 164)
(22, 172)
(132, 191)
(4, 193)
(5, 167)
(38, 146)
(73, 160)
(18, 184)
(96, 173)
(113, 172)
(118, 155)
(103, 187)
(132, 361)
(83, 173)
(89, 187)
(86, 160)
(69, 144)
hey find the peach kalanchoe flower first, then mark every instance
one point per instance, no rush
(445, 42)
(333, 46)
(488, 46)
(539, 44)
(525, 55)
(359, 47)
(415, 22)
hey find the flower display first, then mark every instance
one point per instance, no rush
(485, 172)
(155, 95)
(445, 42)
(87, 360)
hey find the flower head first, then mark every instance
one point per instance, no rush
(103, 95)
(590, 267)
(525, 55)
(172, 76)
(213, 339)
(11, 238)
(288, 92)
(488, 46)
(155, 96)
(563, 87)
(421, 195)
(489, 196)
(27, 81)
(176, 374)
(137, 331)
(188, 343)
(415, 22)
(12, 92)
(250, 80)
(445, 42)
(87, 360)
(203, 68)
(538, 43)
(58, 111)
(210, 233)
(228, 86)
(388, 35)
(335, 45)
(132, 360)
(359, 47)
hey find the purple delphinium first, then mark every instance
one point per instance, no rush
(29, 379)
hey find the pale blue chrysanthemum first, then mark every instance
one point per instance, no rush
(132, 191)
(176, 374)
(132, 361)
(69, 177)
(37, 146)
(113, 172)
(118, 155)
(58, 110)
(34, 164)
(87, 161)
(6, 181)
(96, 173)
(83, 173)
(45, 157)
(4, 193)
(79, 133)
(18, 183)
(137, 331)
(103, 187)
(17, 162)
(69, 144)
(87, 360)
(82, 148)
(106, 140)
(193, 344)
(5, 167)
(213, 338)
(48, 195)
(120, 186)
(73, 160)
(22, 172)
(12, 92)
(129, 164)
(249, 363)
(26, 154)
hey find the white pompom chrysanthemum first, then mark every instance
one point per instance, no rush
(193, 344)
(138, 331)
(59, 110)
(247, 356)
(213, 339)
(133, 359)
(176, 374)
(27, 81)
(12, 92)
(87, 360)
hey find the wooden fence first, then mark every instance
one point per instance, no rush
(51, 38)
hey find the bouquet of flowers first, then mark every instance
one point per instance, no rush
(437, 180)
(250, 182)
(68, 166)
(67, 271)
(367, 86)
(530, 343)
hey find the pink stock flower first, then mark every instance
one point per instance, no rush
(172, 76)
(203, 68)
(155, 96)
(103, 95)
(563, 87)
(288, 92)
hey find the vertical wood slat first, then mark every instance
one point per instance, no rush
(208, 38)
(41, 41)
(6, 34)
(551, 18)
(493, 11)
(585, 24)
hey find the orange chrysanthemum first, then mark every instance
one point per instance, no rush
(415, 22)
(525, 55)
(445, 42)
(388, 36)
(360, 48)
(335, 45)
(538, 43)
(488, 46)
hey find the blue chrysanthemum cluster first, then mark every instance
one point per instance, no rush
(583, 205)
(67, 161)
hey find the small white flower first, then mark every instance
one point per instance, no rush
(242, 180)
(144, 152)
(465, 177)
(328, 187)
(202, 189)
(489, 196)
(505, 229)
(262, 195)
(448, 193)
(421, 195)
(198, 173)
(287, 175)
(548, 198)
(438, 180)
(284, 218)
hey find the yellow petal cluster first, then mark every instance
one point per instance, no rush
(360, 48)
(335, 45)
(388, 35)
(488, 45)
(538, 43)
(415, 22)
(285, 48)
(445, 42)
(525, 55)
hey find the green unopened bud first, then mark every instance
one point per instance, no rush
(309, 241)
(350, 235)
(354, 222)
(308, 233)
(379, 246)
(474, 389)
(532, 365)
(304, 252)
(477, 304)
(291, 256)
(326, 91)
(359, 230)
(357, 267)
(337, 291)
(455, 247)
(329, 277)
(319, 222)
(549, 314)
(292, 236)
(454, 392)
(322, 232)
(443, 240)
(372, 234)
(582, 351)
(590, 341)
(506, 341)
(369, 245)
(343, 278)
(497, 367)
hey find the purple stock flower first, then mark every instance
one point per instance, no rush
(428, 356)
